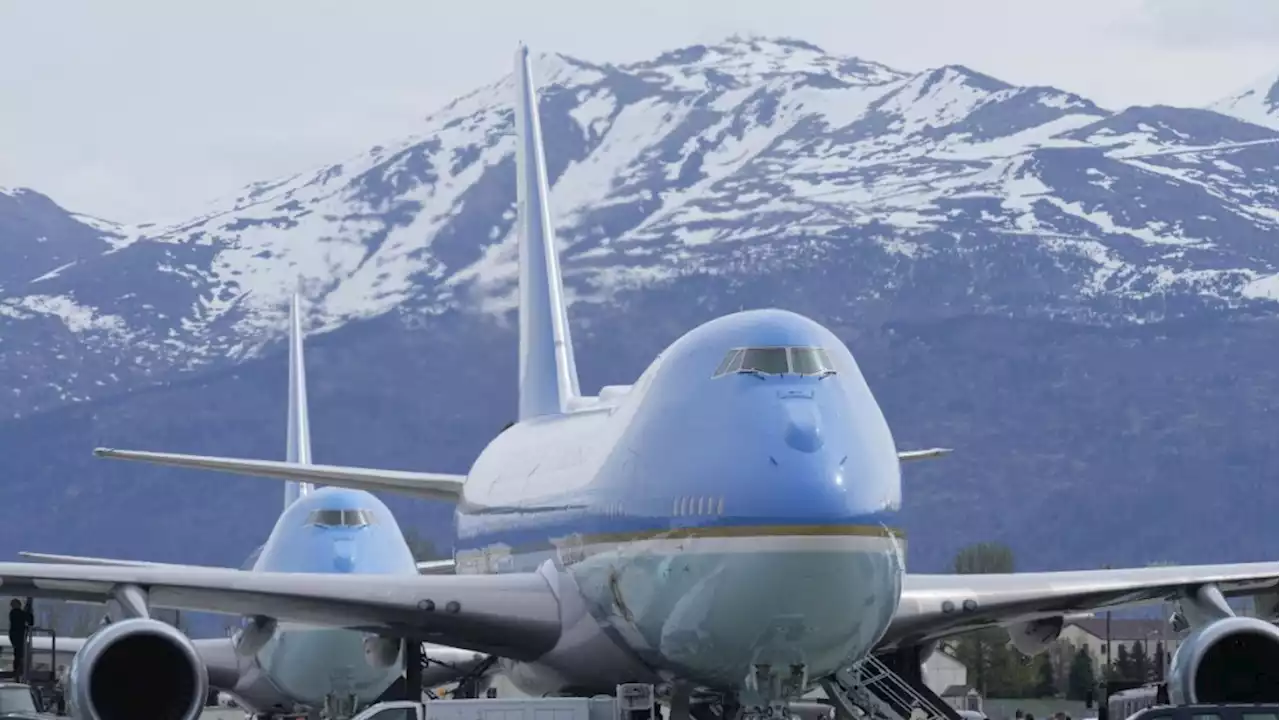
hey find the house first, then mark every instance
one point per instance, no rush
(942, 670)
(1092, 633)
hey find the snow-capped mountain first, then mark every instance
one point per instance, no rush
(1259, 103)
(984, 247)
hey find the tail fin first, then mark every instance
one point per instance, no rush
(298, 450)
(548, 374)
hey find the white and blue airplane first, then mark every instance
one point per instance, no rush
(724, 528)
(276, 668)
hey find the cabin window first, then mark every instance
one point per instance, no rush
(340, 518)
(776, 361)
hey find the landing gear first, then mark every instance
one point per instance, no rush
(770, 689)
(338, 707)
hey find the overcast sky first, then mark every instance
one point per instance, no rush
(137, 109)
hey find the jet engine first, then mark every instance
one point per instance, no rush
(926, 650)
(1232, 660)
(1034, 636)
(381, 652)
(138, 668)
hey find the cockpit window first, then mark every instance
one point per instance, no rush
(809, 361)
(770, 361)
(340, 518)
(777, 361)
(730, 363)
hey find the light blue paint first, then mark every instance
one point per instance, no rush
(308, 664)
(684, 449)
(303, 666)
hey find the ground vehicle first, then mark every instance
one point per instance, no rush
(1124, 703)
(601, 708)
(19, 701)
(1261, 711)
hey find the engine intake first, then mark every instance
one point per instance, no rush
(1034, 636)
(138, 668)
(1232, 660)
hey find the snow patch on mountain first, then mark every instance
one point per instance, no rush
(1259, 103)
(739, 158)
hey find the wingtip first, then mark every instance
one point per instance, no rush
(101, 452)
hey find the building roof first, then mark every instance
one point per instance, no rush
(1124, 630)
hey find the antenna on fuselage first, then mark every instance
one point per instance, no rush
(298, 447)
(548, 373)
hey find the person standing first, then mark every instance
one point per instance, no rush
(20, 620)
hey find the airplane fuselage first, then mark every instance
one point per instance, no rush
(301, 665)
(700, 524)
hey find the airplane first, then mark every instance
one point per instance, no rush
(724, 528)
(272, 668)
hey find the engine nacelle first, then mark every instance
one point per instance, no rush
(1232, 660)
(381, 652)
(138, 668)
(927, 650)
(1034, 636)
(254, 632)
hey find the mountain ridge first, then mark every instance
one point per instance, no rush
(1007, 248)
(1257, 103)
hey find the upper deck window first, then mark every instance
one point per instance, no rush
(340, 518)
(777, 361)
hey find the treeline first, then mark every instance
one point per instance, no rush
(1063, 670)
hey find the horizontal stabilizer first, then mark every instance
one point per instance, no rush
(100, 562)
(430, 486)
(907, 455)
(436, 567)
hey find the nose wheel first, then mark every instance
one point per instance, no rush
(769, 691)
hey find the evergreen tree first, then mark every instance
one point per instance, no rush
(1124, 664)
(1158, 662)
(1046, 685)
(1138, 659)
(983, 558)
(1080, 679)
(994, 667)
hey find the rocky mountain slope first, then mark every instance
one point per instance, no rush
(1082, 299)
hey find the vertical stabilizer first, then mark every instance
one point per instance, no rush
(548, 375)
(299, 443)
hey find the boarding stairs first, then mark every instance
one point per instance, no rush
(872, 690)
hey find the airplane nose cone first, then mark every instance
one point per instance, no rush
(343, 555)
(803, 429)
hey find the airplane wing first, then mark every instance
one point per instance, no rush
(513, 615)
(42, 645)
(99, 562)
(909, 455)
(935, 606)
(430, 486)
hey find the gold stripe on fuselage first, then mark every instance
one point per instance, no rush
(746, 531)
(713, 531)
